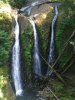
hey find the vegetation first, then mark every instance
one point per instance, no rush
(5, 47)
(14, 3)
(64, 28)
(5, 38)
(27, 43)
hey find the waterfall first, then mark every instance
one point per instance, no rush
(36, 56)
(27, 10)
(51, 58)
(16, 75)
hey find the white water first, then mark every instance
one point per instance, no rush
(28, 9)
(36, 56)
(16, 60)
(52, 47)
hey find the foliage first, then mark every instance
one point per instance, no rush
(3, 82)
(65, 27)
(63, 92)
(5, 22)
(5, 39)
(44, 33)
(14, 3)
(27, 43)
(4, 48)
(5, 89)
(18, 3)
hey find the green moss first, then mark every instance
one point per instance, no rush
(5, 38)
(27, 43)
(15, 3)
(5, 89)
(65, 27)
(44, 33)
(5, 47)
(5, 22)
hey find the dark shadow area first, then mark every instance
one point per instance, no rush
(28, 95)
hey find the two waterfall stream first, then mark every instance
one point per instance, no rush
(21, 94)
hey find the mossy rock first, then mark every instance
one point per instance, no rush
(5, 88)
(5, 37)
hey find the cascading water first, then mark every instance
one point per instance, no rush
(36, 55)
(27, 10)
(51, 58)
(16, 75)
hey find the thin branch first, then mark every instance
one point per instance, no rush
(65, 45)
(53, 93)
(67, 61)
(57, 74)
(52, 67)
